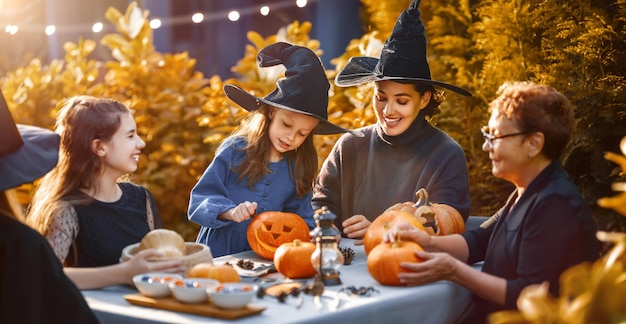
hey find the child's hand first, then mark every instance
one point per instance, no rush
(243, 211)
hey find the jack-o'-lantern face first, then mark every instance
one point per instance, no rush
(268, 230)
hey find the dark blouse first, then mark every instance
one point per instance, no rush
(33, 286)
(549, 230)
(105, 229)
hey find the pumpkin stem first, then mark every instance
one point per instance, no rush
(296, 242)
(422, 198)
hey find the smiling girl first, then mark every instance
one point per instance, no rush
(80, 207)
(403, 152)
(270, 162)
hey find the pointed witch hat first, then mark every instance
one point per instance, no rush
(26, 152)
(403, 57)
(304, 89)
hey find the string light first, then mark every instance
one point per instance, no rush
(155, 23)
(233, 15)
(265, 10)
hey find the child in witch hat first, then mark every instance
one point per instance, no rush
(270, 162)
(402, 152)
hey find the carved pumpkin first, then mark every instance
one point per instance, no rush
(385, 222)
(438, 219)
(269, 230)
(293, 260)
(383, 262)
(221, 273)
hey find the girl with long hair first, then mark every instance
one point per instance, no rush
(270, 162)
(86, 214)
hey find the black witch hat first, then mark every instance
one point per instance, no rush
(26, 152)
(304, 89)
(403, 57)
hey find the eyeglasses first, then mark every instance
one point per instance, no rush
(489, 138)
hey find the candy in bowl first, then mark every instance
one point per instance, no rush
(192, 290)
(232, 295)
(154, 284)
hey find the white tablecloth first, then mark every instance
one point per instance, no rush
(439, 302)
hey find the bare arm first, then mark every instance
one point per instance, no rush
(121, 273)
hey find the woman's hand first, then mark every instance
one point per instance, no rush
(407, 232)
(242, 212)
(355, 228)
(436, 266)
(140, 264)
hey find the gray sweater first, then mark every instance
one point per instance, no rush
(367, 175)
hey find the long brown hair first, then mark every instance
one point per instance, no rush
(255, 164)
(81, 120)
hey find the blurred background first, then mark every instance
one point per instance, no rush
(215, 36)
(168, 60)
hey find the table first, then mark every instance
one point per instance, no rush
(439, 302)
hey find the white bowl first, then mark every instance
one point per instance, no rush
(192, 290)
(232, 295)
(154, 284)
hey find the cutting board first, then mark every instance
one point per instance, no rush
(205, 309)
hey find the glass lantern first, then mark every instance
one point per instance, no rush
(326, 259)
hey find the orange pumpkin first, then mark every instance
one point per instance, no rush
(293, 260)
(438, 219)
(385, 222)
(269, 230)
(221, 273)
(383, 262)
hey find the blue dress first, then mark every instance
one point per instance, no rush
(219, 190)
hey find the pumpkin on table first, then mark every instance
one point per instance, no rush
(385, 222)
(293, 260)
(383, 262)
(221, 273)
(269, 230)
(438, 219)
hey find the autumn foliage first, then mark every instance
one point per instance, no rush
(577, 47)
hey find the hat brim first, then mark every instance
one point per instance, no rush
(360, 70)
(252, 103)
(38, 155)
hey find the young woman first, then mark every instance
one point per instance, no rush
(545, 226)
(270, 162)
(402, 152)
(80, 207)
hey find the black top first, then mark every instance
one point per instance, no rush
(549, 230)
(33, 286)
(105, 229)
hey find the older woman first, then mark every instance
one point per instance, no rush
(545, 226)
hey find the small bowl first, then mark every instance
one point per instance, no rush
(154, 284)
(232, 295)
(192, 290)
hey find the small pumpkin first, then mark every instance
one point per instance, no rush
(438, 219)
(221, 273)
(385, 222)
(269, 230)
(383, 262)
(168, 242)
(293, 260)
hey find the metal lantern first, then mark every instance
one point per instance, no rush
(326, 258)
